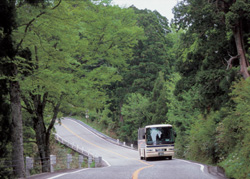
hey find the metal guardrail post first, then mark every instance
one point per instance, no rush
(80, 161)
(98, 161)
(29, 165)
(69, 160)
(89, 161)
(52, 162)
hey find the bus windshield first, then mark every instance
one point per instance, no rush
(159, 135)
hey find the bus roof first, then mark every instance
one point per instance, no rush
(158, 125)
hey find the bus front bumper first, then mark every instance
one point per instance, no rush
(160, 154)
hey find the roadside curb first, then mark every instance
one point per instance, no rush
(217, 171)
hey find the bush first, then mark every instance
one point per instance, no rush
(236, 132)
(202, 145)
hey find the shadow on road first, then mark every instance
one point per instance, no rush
(158, 159)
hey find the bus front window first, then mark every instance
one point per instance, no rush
(159, 135)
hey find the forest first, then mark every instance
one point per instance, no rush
(126, 68)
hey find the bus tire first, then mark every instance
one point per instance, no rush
(170, 157)
(140, 155)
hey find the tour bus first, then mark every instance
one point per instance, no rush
(156, 141)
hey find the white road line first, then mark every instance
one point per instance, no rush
(79, 170)
(58, 176)
(201, 166)
(68, 173)
(106, 163)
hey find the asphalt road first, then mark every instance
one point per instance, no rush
(123, 163)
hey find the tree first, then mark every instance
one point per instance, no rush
(136, 114)
(8, 63)
(206, 17)
(205, 46)
(236, 19)
(74, 54)
(158, 101)
(149, 58)
(150, 54)
(112, 38)
(5, 133)
(29, 41)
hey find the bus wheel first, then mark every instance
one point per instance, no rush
(141, 156)
(170, 157)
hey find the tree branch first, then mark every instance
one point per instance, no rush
(30, 22)
(55, 113)
(229, 62)
(27, 106)
(44, 100)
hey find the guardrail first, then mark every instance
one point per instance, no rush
(59, 162)
(84, 153)
(114, 141)
(85, 158)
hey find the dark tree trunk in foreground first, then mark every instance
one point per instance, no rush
(7, 57)
(16, 128)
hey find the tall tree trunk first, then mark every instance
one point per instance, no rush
(43, 134)
(16, 127)
(7, 51)
(42, 142)
(40, 130)
(241, 50)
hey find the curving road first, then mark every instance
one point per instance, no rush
(124, 163)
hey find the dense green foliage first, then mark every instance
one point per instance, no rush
(66, 56)
(125, 68)
(209, 102)
(142, 83)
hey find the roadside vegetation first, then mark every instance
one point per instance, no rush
(124, 68)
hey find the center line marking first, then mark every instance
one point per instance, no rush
(135, 174)
(93, 143)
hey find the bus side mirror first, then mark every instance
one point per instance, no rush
(175, 135)
(143, 136)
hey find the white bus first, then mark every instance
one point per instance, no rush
(156, 141)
